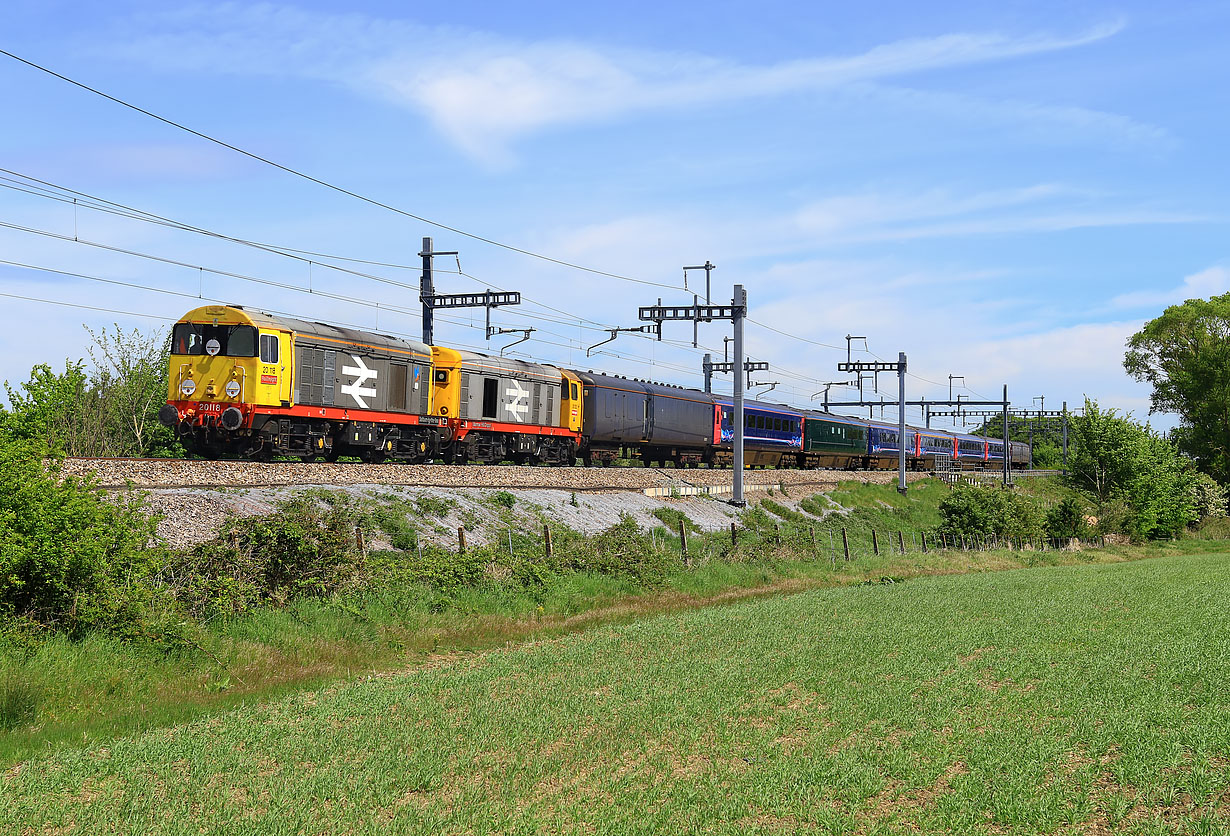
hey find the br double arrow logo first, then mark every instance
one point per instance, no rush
(362, 374)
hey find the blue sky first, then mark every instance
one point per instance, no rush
(1003, 191)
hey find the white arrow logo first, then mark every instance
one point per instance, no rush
(362, 374)
(518, 408)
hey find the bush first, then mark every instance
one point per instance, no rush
(70, 558)
(303, 549)
(1210, 497)
(621, 551)
(989, 512)
(1067, 519)
(1120, 461)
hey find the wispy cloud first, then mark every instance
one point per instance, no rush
(485, 92)
(1209, 282)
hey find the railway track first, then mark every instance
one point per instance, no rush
(120, 473)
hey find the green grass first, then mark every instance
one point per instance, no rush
(58, 692)
(1085, 699)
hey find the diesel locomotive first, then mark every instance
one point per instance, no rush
(254, 385)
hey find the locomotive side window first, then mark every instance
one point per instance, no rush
(491, 396)
(574, 391)
(397, 386)
(269, 348)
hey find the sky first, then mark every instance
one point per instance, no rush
(1005, 192)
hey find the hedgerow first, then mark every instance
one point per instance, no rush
(70, 558)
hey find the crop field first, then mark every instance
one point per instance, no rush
(1079, 699)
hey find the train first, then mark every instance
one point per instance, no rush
(254, 385)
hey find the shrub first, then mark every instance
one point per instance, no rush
(672, 517)
(1210, 497)
(621, 551)
(1067, 519)
(303, 549)
(983, 512)
(70, 558)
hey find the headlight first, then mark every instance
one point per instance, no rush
(232, 388)
(187, 386)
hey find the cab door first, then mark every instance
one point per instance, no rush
(272, 386)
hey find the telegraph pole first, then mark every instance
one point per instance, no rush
(432, 300)
(739, 302)
(736, 312)
(1005, 456)
(427, 290)
(1065, 438)
(899, 367)
(901, 423)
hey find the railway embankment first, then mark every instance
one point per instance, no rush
(193, 507)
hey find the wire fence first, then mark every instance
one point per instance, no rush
(834, 545)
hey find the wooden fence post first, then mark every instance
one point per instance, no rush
(683, 544)
(924, 542)
(359, 542)
(734, 535)
(901, 541)
(845, 544)
(461, 539)
(546, 536)
(875, 543)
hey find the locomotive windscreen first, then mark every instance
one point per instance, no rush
(233, 340)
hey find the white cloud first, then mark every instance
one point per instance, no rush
(1209, 282)
(485, 92)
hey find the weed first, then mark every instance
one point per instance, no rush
(503, 499)
(672, 517)
(433, 506)
(19, 701)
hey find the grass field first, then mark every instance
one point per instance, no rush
(1080, 699)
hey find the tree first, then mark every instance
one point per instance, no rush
(109, 409)
(130, 376)
(58, 411)
(1185, 355)
(1116, 459)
